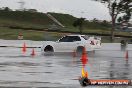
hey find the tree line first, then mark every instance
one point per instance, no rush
(119, 10)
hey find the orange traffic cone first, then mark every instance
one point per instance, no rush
(84, 73)
(84, 57)
(20, 36)
(24, 48)
(84, 53)
(33, 52)
(127, 54)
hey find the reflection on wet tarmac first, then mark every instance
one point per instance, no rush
(62, 70)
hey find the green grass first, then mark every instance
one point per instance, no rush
(35, 21)
(6, 33)
(40, 20)
(15, 23)
(12, 34)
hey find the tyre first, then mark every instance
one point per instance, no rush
(79, 50)
(48, 50)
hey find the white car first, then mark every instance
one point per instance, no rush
(72, 43)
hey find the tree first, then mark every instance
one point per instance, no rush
(79, 23)
(116, 8)
(6, 9)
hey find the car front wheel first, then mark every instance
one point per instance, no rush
(48, 50)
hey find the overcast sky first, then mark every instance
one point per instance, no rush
(78, 8)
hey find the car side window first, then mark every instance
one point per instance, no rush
(64, 39)
(76, 38)
(70, 39)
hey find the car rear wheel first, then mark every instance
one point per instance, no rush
(79, 49)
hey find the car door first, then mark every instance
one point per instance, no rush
(67, 43)
(73, 43)
(62, 44)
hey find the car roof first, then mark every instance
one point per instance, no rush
(75, 35)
